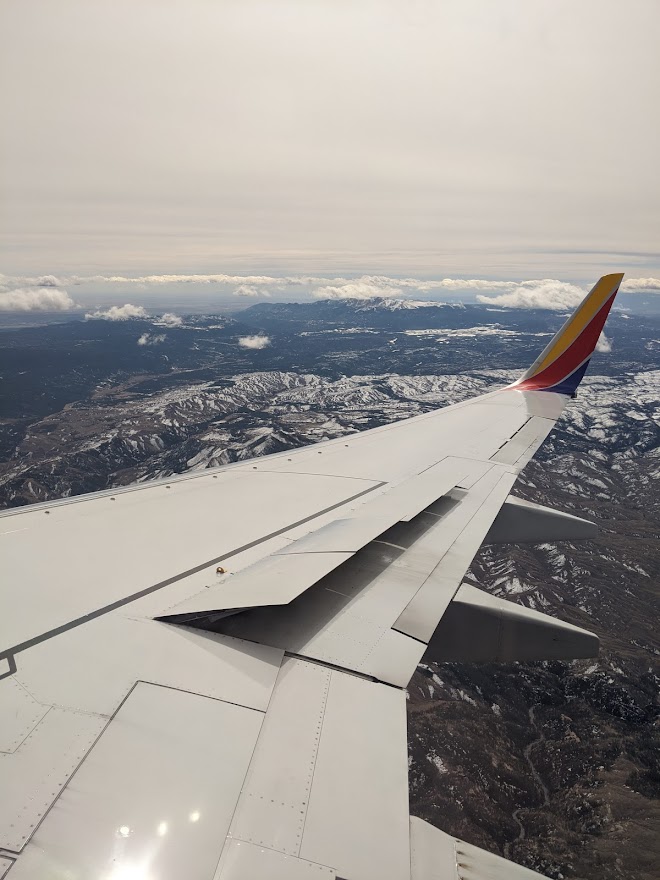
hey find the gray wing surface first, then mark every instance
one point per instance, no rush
(205, 677)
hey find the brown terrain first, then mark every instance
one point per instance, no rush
(557, 765)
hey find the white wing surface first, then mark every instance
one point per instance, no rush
(205, 677)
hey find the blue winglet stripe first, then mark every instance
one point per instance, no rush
(570, 383)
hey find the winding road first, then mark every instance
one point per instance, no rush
(537, 779)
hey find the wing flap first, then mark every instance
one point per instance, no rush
(376, 612)
(147, 804)
(274, 580)
(522, 521)
(32, 775)
(480, 628)
(280, 578)
(328, 781)
(470, 525)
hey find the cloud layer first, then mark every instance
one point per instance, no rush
(357, 290)
(151, 339)
(639, 284)
(169, 320)
(48, 293)
(325, 286)
(311, 159)
(250, 290)
(118, 313)
(36, 299)
(548, 294)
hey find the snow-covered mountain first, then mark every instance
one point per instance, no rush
(122, 434)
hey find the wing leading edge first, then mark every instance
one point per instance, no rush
(342, 566)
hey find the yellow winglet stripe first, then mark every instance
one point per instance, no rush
(598, 296)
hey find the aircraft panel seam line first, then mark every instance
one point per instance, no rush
(335, 667)
(236, 467)
(316, 754)
(512, 437)
(182, 690)
(109, 719)
(245, 776)
(278, 851)
(314, 474)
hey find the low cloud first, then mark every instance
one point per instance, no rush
(151, 339)
(36, 299)
(249, 290)
(604, 344)
(118, 313)
(169, 319)
(558, 296)
(524, 294)
(246, 285)
(218, 278)
(255, 342)
(357, 290)
(466, 284)
(632, 284)
(13, 282)
(26, 293)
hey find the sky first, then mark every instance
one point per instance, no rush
(512, 141)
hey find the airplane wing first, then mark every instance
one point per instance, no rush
(204, 677)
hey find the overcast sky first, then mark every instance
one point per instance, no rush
(470, 138)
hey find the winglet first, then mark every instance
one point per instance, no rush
(564, 361)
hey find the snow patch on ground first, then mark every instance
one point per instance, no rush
(437, 762)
